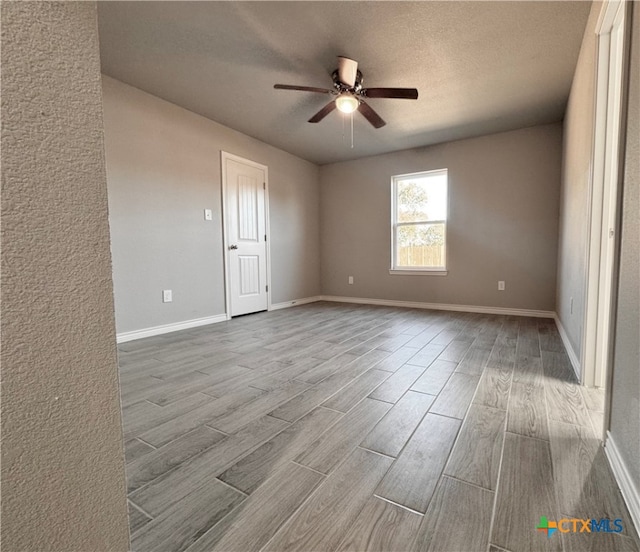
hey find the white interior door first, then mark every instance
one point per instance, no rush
(604, 194)
(246, 235)
(610, 196)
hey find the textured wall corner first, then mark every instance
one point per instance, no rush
(63, 484)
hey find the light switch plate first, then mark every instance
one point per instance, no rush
(167, 296)
(208, 214)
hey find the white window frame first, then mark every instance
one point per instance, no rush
(416, 270)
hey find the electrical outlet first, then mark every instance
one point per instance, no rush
(208, 214)
(500, 285)
(167, 296)
(350, 280)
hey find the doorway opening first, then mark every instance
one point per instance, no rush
(604, 200)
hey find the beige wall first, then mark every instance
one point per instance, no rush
(576, 175)
(163, 169)
(625, 387)
(503, 222)
(63, 485)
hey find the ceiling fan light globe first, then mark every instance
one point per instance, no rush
(347, 103)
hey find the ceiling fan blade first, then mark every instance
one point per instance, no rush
(303, 88)
(402, 93)
(323, 112)
(370, 115)
(347, 71)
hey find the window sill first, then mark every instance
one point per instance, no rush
(419, 271)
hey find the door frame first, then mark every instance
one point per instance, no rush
(604, 192)
(224, 156)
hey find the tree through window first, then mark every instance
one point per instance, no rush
(419, 221)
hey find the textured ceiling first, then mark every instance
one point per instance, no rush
(480, 67)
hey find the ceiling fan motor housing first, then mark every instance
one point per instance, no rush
(341, 87)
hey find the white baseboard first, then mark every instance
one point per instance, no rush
(629, 492)
(575, 362)
(168, 328)
(440, 306)
(295, 302)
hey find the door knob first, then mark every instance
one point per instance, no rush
(233, 247)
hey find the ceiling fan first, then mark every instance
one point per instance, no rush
(349, 93)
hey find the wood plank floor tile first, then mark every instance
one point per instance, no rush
(528, 347)
(456, 396)
(164, 459)
(139, 418)
(486, 339)
(164, 491)
(188, 421)
(392, 432)
(475, 457)
(185, 385)
(527, 412)
(142, 410)
(252, 410)
(300, 365)
(252, 470)
(434, 378)
(474, 361)
(365, 362)
(332, 350)
(328, 368)
(525, 493)
(502, 357)
(556, 365)
(331, 448)
(398, 384)
(323, 520)
(598, 542)
(597, 422)
(445, 337)
(208, 541)
(494, 387)
(453, 503)
(584, 483)
(494, 548)
(179, 526)
(550, 339)
(134, 449)
(248, 364)
(528, 369)
(396, 360)
(233, 384)
(306, 401)
(413, 477)
(565, 403)
(137, 519)
(423, 338)
(345, 399)
(457, 349)
(394, 343)
(593, 398)
(425, 356)
(264, 512)
(137, 391)
(381, 527)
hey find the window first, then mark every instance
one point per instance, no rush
(419, 222)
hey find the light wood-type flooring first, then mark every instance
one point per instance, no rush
(336, 427)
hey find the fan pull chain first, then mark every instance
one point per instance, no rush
(352, 130)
